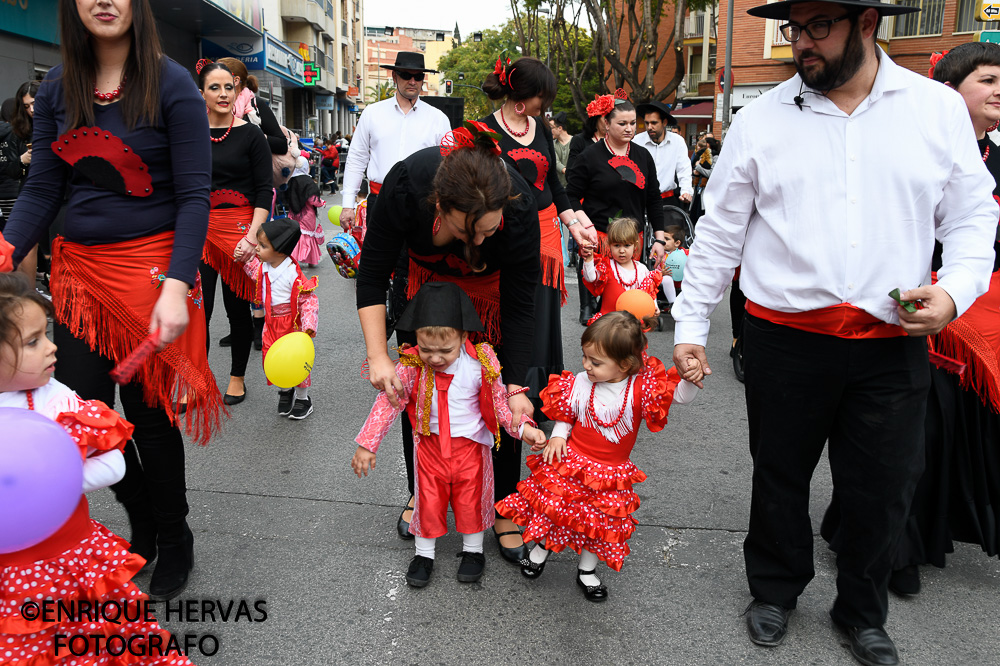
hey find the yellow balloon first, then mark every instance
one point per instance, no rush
(290, 360)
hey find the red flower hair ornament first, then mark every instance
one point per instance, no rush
(468, 135)
(601, 106)
(935, 59)
(500, 69)
(200, 65)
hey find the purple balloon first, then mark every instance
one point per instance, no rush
(41, 478)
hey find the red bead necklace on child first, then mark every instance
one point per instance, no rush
(618, 275)
(31, 401)
(593, 412)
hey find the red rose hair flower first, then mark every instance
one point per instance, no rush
(601, 106)
(935, 59)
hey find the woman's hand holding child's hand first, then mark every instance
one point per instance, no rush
(534, 437)
(362, 461)
(554, 450)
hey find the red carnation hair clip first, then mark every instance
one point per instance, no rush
(200, 65)
(935, 59)
(500, 69)
(601, 106)
(467, 136)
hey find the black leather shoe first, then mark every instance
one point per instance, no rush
(766, 623)
(173, 566)
(419, 572)
(905, 581)
(471, 568)
(871, 645)
(403, 526)
(226, 341)
(235, 399)
(595, 593)
(531, 569)
(512, 555)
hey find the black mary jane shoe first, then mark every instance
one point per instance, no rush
(512, 555)
(230, 399)
(595, 593)
(871, 646)
(530, 569)
(419, 572)
(403, 526)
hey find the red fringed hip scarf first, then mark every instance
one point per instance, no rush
(105, 295)
(553, 271)
(482, 290)
(226, 226)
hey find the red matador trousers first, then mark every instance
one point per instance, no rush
(464, 480)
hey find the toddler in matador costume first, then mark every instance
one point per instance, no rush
(456, 400)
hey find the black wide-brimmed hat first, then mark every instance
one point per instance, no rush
(409, 60)
(780, 10)
(440, 304)
(655, 105)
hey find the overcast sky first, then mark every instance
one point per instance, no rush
(438, 14)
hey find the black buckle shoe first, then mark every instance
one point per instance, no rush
(471, 568)
(531, 569)
(595, 593)
(871, 645)
(766, 623)
(173, 567)
(905, 581)
(286, 400)
(403, 526)
(513, 555)
(419, 572)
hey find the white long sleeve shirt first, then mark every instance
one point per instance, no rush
(385, 135)
(673, 166)
(823, 208)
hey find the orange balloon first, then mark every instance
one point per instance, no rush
(637, 302)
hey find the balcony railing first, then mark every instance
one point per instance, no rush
(343, 28)
(692, 81)
(694, 25)
(329, 8)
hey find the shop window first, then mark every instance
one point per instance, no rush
(965, 17)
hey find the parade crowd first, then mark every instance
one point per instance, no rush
(862, 266)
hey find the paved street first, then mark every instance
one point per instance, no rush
(278, 515)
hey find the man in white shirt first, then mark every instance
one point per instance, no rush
(830, 192)
(391, 130)
(669, 150)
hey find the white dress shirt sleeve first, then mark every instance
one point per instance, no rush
(357, 161)
(683, 167)
(966, 218)
(718, 250)
(103, 470)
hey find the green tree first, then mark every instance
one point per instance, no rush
(382, 91)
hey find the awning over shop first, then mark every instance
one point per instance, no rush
(699, 111)
(203, 17)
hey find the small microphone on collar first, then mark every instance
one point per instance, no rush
(798, 101)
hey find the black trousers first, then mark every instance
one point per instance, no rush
(867, 397)
(240, 319)
(154, 460)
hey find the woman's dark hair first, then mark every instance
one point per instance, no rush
(620, 337)
(964, 59)
(7, 110)
(20, 121)
(713, 145)
(238, 69)
(208, 69)
(621, 105)
(14, 292)
(590, 126)
(141, 77)
(473, 181)
(530, 78)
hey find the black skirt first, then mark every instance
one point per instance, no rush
(547, 354)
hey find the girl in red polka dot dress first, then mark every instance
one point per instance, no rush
(580, 492)
(83, 560)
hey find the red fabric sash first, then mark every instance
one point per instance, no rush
(667, 194)
(482, 290)
(553, 271)
(842, 321)
(73, 531)
(105, 294)
(374, 187)
(226, 226)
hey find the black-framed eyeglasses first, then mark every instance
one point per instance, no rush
(815, 29)
(406, 76)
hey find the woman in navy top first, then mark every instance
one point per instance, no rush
(122, 129)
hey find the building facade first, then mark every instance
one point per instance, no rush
(382, 43)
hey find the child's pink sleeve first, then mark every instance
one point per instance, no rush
(501, 403)
(309, 307)
(383, 414)
(651, 284)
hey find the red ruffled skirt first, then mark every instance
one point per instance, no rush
(579, 502)
(97, 569)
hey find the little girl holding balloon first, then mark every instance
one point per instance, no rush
(291, 310)
(50, 548)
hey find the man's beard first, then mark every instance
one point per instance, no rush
(654, 135)
(832, 74)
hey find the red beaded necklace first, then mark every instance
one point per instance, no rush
(635, 278)
(628, 147)
(223, 137)
(107, 97)
(987, 153)
(593, 413)
(31, 400)
(527, 126)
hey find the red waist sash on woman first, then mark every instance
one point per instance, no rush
(842, 321)
(73, 531)
(226, 226)
(553, 271)
(482, 290)
(105, 295)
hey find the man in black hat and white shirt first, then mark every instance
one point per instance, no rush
(669, 150)
(391, 130)
(830, 192)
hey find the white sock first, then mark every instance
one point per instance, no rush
(588, 562)
(301, 392)
(538, 554)
(669, 290)
(472, 543)
(425, 547)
